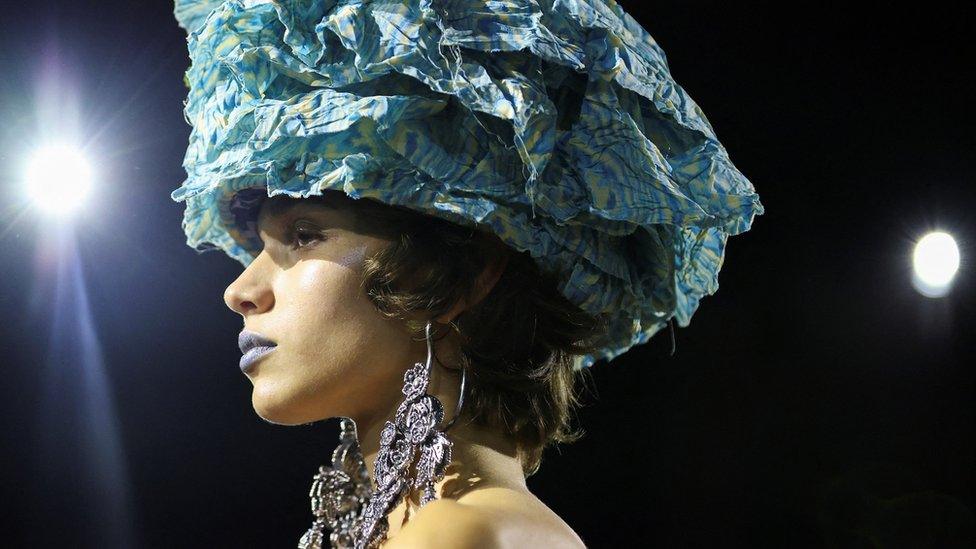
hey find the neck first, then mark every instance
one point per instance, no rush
(481, 458)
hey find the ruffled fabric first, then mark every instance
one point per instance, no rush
(554, 123)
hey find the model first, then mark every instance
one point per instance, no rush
(446, 211)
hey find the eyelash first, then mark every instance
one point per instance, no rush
(296, 233)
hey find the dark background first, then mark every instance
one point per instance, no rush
(815, 401)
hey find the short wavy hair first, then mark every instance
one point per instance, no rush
(517, 343)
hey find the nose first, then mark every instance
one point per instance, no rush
(251, 291)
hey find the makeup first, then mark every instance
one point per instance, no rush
(353, 257)
(253, 355)
(254, 346)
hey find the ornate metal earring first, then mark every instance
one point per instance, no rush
(343, 499)
(338, 493)
(413, 431)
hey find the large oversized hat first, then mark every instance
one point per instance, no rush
(555, 124)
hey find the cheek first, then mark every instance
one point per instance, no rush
(325, 331)
(322, 297)
(315, 280)
(328, 315)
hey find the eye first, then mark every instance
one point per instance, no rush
(304, 237)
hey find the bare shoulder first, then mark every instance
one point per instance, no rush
(488, 518)
(444, 523)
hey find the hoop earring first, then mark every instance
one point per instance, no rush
(343, 499)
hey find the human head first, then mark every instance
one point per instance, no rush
(348, 313)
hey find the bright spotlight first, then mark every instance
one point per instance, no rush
(58, 179)
(936, 260)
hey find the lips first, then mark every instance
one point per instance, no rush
(254, 346)
(248, 340)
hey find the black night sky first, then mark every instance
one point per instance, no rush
(817, 400)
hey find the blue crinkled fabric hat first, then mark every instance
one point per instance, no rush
(553, 123)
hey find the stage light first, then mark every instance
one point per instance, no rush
(58, 179)
(935, 261)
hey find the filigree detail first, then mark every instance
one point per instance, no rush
(415, 381)
(435, 456)
(343, 498)
(338, 494)
(387, 434)
(394, 456)
(422, 417)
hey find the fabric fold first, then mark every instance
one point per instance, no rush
(553, 123)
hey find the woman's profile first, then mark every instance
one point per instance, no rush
(447, 212)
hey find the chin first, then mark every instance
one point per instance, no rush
(275, 407)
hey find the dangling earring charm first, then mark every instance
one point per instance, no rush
(413, 431)
(343, 498)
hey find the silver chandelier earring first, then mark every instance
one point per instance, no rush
(338, 493)
(343, 499)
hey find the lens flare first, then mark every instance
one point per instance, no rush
(935, 261)
(58, 179)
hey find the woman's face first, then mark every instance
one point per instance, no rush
(336, 355)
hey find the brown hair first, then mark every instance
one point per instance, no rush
(517, 343)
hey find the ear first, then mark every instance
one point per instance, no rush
(484, 283)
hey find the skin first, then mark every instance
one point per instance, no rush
(337, 356)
